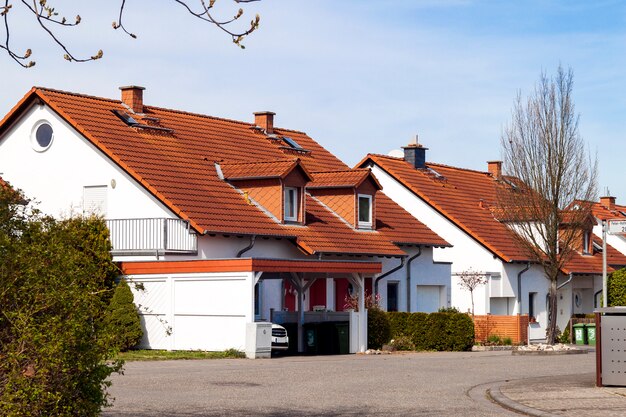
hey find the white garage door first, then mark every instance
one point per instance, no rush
(206, 312)
(428, 298)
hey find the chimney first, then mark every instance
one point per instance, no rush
(132, 96)
(608, 202)
(265, 120)
(495, 169)
(415, 154)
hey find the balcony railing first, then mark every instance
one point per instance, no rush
(159, 235)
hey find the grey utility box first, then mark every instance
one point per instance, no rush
(259, 340)
(611, 346)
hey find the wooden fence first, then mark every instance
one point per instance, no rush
(515, 327)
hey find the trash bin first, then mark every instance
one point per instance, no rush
(591, 333)
(343, 334)
(310, 338)
(580, 336)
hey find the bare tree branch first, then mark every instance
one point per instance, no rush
(47, 17)
(549, 168)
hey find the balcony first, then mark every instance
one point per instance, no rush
(158, 236)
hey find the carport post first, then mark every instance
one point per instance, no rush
(359, 282)
(297, 282)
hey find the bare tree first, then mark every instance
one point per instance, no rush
(470, 280)
(550, 168)
(48, 18)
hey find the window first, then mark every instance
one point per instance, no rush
(41, 136)
(95, 200)
(392, 296)
(531, 305)
(586, 239)
(365, 211)
(291, 204)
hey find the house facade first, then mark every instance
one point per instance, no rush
(222, 223)
(461, 206)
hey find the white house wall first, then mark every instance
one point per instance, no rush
(616, 241)
(56, 177)
(424, 272)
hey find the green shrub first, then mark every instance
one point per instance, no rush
(494, 339)
(448, 310)
(402, 342)
(56, 280)
(123, 317)
(434, 331)
(378, 328)
(616, 288)
(564, 338)
(507, 341)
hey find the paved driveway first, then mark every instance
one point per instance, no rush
(416, 384)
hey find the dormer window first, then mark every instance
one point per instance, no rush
(365, 211)
(587, 250)
(291, 204)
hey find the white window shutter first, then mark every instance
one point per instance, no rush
(95, 200)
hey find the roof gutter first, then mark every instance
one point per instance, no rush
(571, 276)
(519, 287)
(381, 276)
(247, 248)
(408, 278)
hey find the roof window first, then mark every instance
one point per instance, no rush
(292, 143)
(125, 117)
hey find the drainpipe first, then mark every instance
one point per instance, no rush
(381, 276)
(408, 278)
(247, 248)
(571, 276)
(519, 288)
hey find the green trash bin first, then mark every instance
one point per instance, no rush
(343, 334)
(580, 335)
(591, 333)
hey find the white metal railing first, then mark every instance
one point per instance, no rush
(152, 235)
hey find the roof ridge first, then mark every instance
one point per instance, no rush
(458, 168)
(190, 113)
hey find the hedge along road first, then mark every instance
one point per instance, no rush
(416, 384)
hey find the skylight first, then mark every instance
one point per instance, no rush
(125, 117)
(292, 143)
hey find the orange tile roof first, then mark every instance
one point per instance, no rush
(603, 213)
(341, 179)
(175, 161)
(258, 169)
(468, 199)
(592, 264)
(464, 196)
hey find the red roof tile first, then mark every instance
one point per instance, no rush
(468, 198)
(173, 155)
(258, 169)
(341, 179)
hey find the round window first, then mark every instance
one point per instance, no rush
(42, 136)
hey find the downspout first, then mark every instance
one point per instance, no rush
(595, 298)
(381, 276)
(408, 278)
(571, 276)
(247, 248)
(519, 287)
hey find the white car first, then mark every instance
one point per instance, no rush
(280, 340)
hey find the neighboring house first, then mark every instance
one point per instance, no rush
(606, 210)
(221, 222)
(461, 206)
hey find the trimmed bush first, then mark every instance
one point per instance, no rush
(435, 331)
(123, 317)
(378, 328)
(616, 288)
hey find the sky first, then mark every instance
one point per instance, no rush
(359, 76)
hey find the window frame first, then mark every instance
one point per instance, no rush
(37, 147)
(365, 224)
(296, 211)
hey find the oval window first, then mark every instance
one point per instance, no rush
(42, 136)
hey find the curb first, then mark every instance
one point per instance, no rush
(494, 394)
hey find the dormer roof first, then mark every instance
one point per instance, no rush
(347, 178)
(234, 171)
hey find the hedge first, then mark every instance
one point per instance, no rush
(378, 329)
(616, 288)
(434, 331)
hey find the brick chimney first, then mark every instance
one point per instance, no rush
(415, 154)
(265, 120)
(495, 169)
(608, 202)
(132, 96)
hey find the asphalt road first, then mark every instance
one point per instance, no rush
(416, 384)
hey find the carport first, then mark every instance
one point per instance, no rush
(302, 273)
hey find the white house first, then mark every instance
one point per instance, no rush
(223, 222)
(461, 206)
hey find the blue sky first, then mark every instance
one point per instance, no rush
(358, 76)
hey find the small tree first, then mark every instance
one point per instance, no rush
(470, 280)
(123, 318)
(549, 168)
